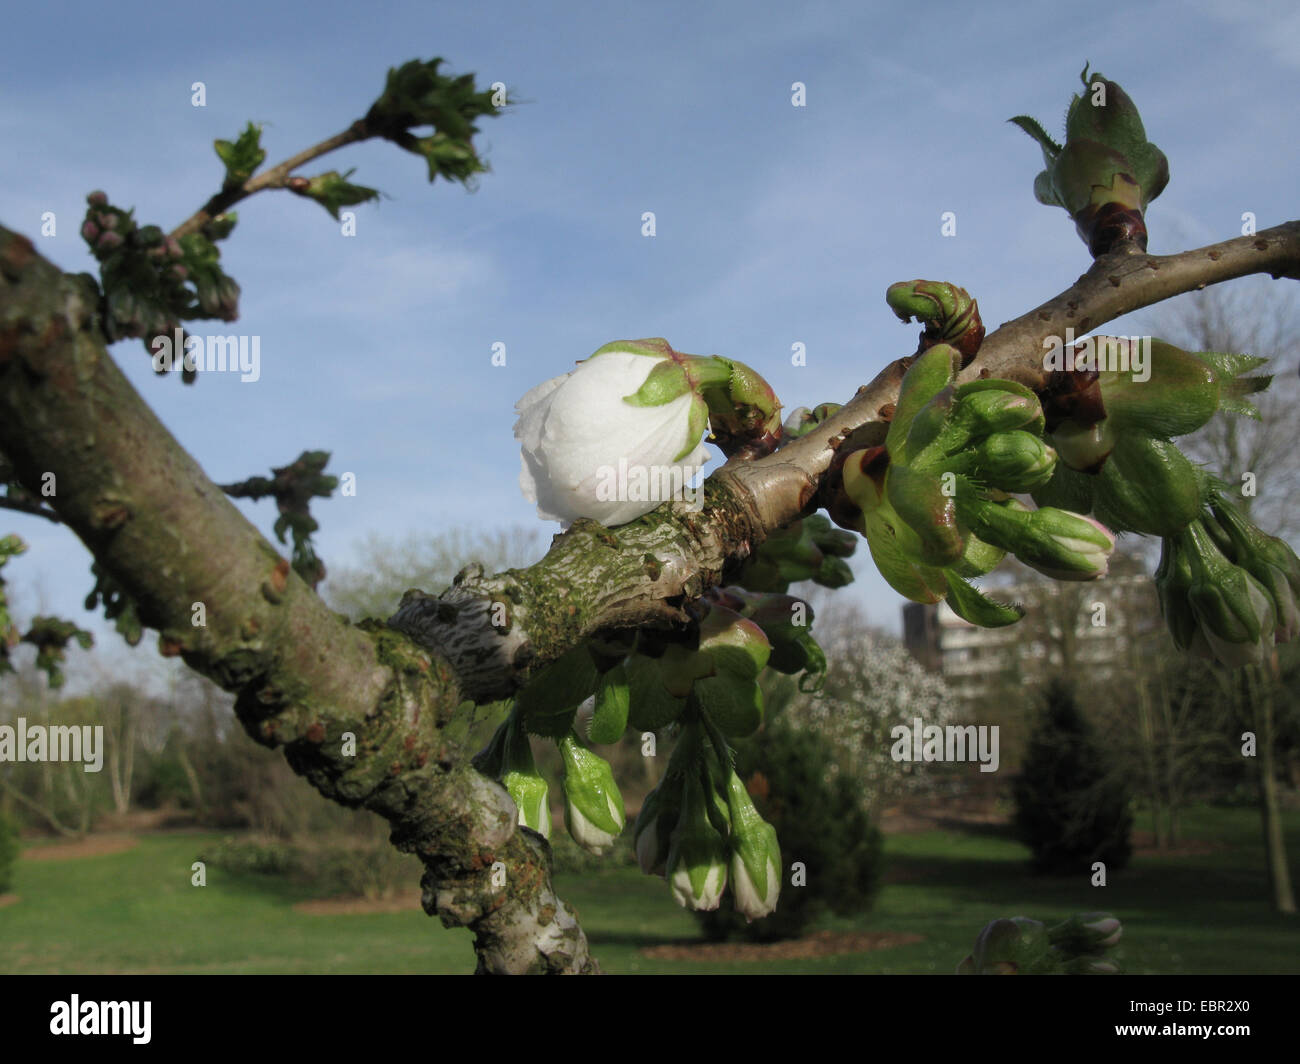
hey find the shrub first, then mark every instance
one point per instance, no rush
(9, 848)
(331, 866)
(820, 822)
(1070, 809)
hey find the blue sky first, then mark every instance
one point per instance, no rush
(775, 224)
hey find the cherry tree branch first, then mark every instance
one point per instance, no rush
(306, 679)
(641, 573)
(276, 177)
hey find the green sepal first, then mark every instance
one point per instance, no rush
(931, 515)
(609, 719)
(732, 703)
(650, 705)
(971, 604)
(920, 583)
(928, 375)
(526, 786)
(1067, 490)
(664, 383)
(650, 347)
(547, 703)
(1148, 486)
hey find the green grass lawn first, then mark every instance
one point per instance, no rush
(136, 911)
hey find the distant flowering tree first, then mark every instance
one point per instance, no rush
(653, 609)
(873, 684)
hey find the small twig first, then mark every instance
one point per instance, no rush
(276, 177)
(33, 508)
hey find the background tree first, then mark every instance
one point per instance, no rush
(1071, 807)
(872, 685)
(388, 567)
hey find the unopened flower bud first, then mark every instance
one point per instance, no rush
(1232, 609)
(981, 408)
(1268, 559)
(1015, 462)
(1016, 946)
(655, 823)
(697, 859)
(526, 786)
(1168, 393)
(1084, 447)
(605, 440)
(1085, 933)
(755, 855)
(1147, 485)
(593, 808)
(1059, 544)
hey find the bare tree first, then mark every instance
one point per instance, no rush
(389, 566)
(1249, 319)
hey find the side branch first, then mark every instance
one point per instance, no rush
(595, 579)
(24, 506)
(276, 177)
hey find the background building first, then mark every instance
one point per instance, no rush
(1089, 627)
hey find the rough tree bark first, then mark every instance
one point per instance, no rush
(304, 676)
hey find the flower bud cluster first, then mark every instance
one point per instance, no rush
(933, 500)
(152, 282)
(700, 830)
(1228, 592)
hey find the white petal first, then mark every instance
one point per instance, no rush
(576, 429)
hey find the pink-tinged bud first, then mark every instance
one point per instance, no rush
(108, 241)
(89, 232)
(97, 199)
